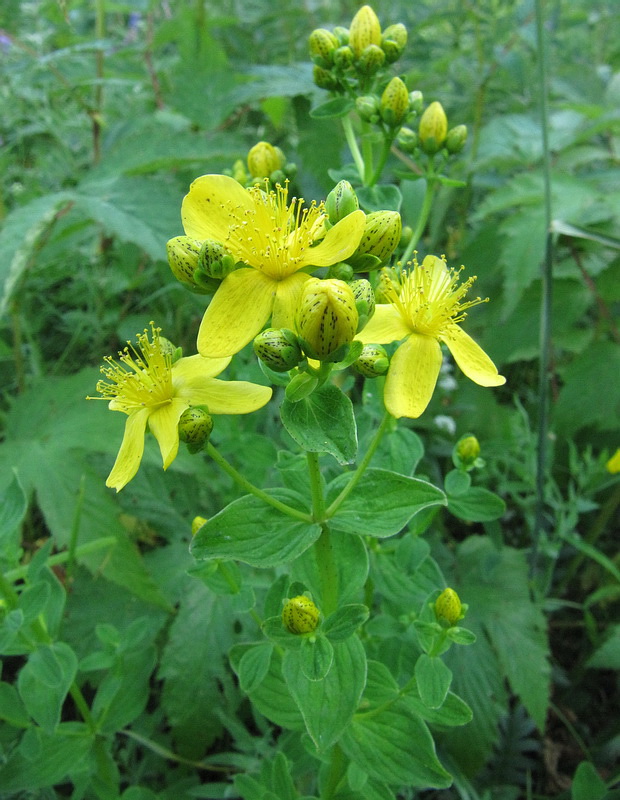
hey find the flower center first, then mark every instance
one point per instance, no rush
(274, 236)
(143, 378)
(429, 297)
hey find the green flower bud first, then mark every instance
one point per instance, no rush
(215, 261)
(380, 238)
(342, 34)
(277, 177)
(343, 57)
(613, 464)
(341, 202)
(373, 361)
(327, 317)
(324, 79)
(183, 253)
(466, 453)
(405, 236)
(388, 285)
(239, 172)
(197, 524)
(364, 301)
(322, 45)
(416, 101)
(394, 103)
(278, 349)
(263, 159)
(456, 138)
(367, 106)
(195, 426)
(365, 30)
(407, 140)
(341, 271)
(300, 615)
(433, 128)
(371, 60)
(448, 607)
(394, 41)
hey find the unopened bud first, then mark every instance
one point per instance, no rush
(466, 452)
(278, 349)
(341, 202)
(394, 41)
(239, 172)
(433, 128)
(197, 524)
(215, 261)
(373, 361)
(341, 271)
(613, 465)
(195, 426)
(343, 57)
(368, 107)
(263, 159)
(388, 285)
(342, 34)
(300, 615)
(364, 301)
(324, 78)
(456, 138)
(322, 44)
(416, 101)
(394, 103)
(365, 30)
(407, 140)
(371, 60)
(448, 607)
(184, 260)
(380, 238)
(327, 318)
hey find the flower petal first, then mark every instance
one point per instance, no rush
(386, 325)
(131, 450)
(339, 242)
(286, 304)
(213, 204)
(472, 359)
(230, 397)
(239, 309)
(163, 424)
(196, 368)
(412, 376)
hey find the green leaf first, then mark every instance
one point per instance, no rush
(607, 656)
(476, 505)
(328, 705)
(351, 557)
(379, 198)
(454, 712)
(433, 680)
(324, 422)
(44, 682)
(400, 450)
(251, 531)
(254, 665)
(13, 505)
(382, 503)
(316, 656)
(566, 229)
(345, 621)
(457, 483)
(587, 783)
(334, 108)
(12, 708)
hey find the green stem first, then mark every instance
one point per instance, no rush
(335, 774)
(328, 572)
(230, 580)
(75, 529)
(367, 154)
(361, 468)
(353, 146)
(387, 146)
(82, 706)
(245, 484)
(316, 487)
(60, 558)
(423, 218)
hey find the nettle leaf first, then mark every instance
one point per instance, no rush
(382, 503)
(327, 705)
(251, 531)
(323, 422)
(44, 682)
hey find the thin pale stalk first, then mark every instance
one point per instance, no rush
(425, 211)
(349, 133)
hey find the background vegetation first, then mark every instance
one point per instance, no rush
(110, 109)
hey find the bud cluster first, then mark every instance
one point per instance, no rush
(199, 266)
(433, 134)
(266, 166)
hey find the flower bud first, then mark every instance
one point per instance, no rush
(416, 101)
(341, 202)
(215, 261)
(343, 57)
(433, 128)
(367, 106)
(327, 317)
(371, 60)
(300, 615)
(407, 140)
(448, 607)
(373, 361)
(364, 300)
(342, 34)
(239, 172)
(322, 44)
(263, 159)
(388, 286)
(394, 41)
(342, 271)
(467, 450)
(195, 426)
(183, 253)
(394, 103)
(365, 30)
(613, 465)
(324, 78)
(380, 238)
(278, 349)
(456, 138)
(197, 524)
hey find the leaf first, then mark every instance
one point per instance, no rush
(587, 783)
(323, 422)
(13, 507)
(251, 531)
(332, 109)
(12, 708)
(379, 198)
(345, 621)
(328, 705)
(433, 680)
(607, 656)
(254, 665)
(44, 683)
(316, 657)
(351, 557)
(382, 503)
(476, 505)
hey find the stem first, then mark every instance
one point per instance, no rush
(387, 146)
(361, 468)
(423, 218)
(367, 153)
(316, 487)
(82, 706)
(353, 146)
(324, 554)
(335, 774)
(75, 528)
(245, 484)
(60, 558)
(99, 62)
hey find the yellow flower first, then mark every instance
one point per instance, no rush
(152, 390)
(613, 465)
(276, 240)
(424, 309)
